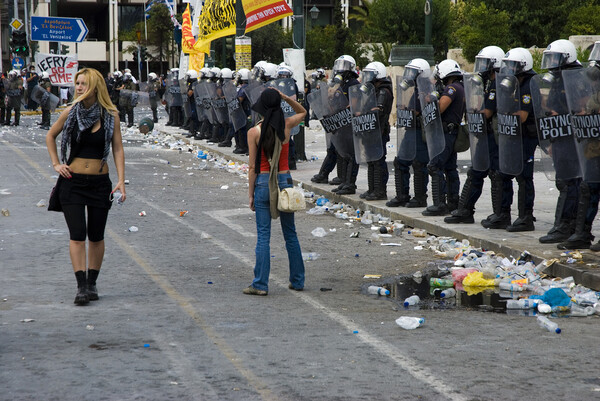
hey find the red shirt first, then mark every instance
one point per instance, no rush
(265, 167)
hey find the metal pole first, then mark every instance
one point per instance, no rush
(298, 24)
(26, 18)
(146, 35)
(428, 11)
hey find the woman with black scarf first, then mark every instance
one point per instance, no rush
(268, 144)
(89, 126)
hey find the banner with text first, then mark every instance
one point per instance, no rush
(61, 68)
(262, 12)
(217, 20)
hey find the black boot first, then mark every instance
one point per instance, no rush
(342, 166)
(463, 212)
(439, 207)
(582, 238)
(525, 220)
(420, 187)
(82, 296)
(402, 197)
(562, 229)
(379, 188)
(348, 187)
(91, 284)
(499, 219)
(154, 115)
(370, 181)
(453, 201)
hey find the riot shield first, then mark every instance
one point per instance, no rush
(187, 107)
(366, 129)
(44, 98)
(253, 91)
(334, 114)
(219, 104)
(510, 144)
(236, 113)
(198, 101)
(430, 115)
(135, 98)
(173, 92)
(582, 89)
(406, 119)
(554, 128)
(287, 86)
(476, 123)
(315, 99)
(203, 93)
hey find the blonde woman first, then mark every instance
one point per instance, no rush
(90, 125)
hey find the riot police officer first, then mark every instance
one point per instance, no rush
(192, 78)
(442, 168)
(420, 158)
(517, 155)
(487, 64)
(129, 101)
(46, 86)
(241, 135)
(115, 83)
(154, 95)
(14, 93)
(377, 171)
(2, 97)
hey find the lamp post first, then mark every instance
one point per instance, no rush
(139, 57)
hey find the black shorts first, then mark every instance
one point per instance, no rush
(86, 189)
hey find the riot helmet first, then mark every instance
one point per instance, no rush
(595, 54)
(244, 74)
(214, 73)
(373, 71)
(559, 54)
(45, 75)
(270, 71)
(152, 76)
(446, 69)
(320, 73)
(205, 72)
(127, 77)
(284, 71)
(258, 70)
(489, 58)
(517, 61)
(191, 75)
(414, 68)
(344, 63)
(226, 73)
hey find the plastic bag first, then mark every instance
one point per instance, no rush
(476, 279)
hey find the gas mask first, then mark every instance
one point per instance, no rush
(550, 77)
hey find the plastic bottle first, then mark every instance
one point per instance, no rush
(580, 311)
(322, 201)
(310, 256)
(410, 323)
(448, 293)
(522, 303)
(506, 286)
(548, 325)
(412, 300)
(375, 290)
(440, 282)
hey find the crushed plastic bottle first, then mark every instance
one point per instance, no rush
(410, 323)
(319, 232)
(522, 303)
(376, 290)
(505, 286)
(580, 311)
(163, 161)
(322, 201)
(448, 293)
(133, 229)
(552, 327)
(306, 256)
(440, 282)
(41, 203)
(5, 212)
(412, 300)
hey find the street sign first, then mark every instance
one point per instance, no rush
(18, 63)
(58, 29)
(16, 24)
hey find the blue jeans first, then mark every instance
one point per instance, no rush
(263, 231)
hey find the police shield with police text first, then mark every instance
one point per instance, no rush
(236, 113)
(430, 115)
(287, 86)
(476, 121)
(365, 123)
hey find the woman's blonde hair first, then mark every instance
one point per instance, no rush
(96, 85)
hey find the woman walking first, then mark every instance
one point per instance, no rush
(268, 144)
(89, 126)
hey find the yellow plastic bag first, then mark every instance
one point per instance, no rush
(476, 279)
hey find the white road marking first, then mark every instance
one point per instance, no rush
(224, 215)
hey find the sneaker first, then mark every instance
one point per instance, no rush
(254, 291)
(291, 287)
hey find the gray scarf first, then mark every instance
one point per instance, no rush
(81, 119)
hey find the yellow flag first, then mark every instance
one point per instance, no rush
(216, 21)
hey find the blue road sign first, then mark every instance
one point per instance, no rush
(58, 29)
(18, 63)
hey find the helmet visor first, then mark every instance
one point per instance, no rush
(367, 76)
(257, 73)
(410, 73)
(483, 64)
(342, 65)
(595, 54)
(552, 60)
(511, 67)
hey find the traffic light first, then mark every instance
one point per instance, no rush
(135, 57)
(229, 44)
(19, 43)
(144, 53)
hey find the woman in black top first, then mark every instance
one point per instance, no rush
(90, 126)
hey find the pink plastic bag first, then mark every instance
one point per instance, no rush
(459, 275)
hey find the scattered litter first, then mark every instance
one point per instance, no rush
(225, 187)
(213, 258)
(163, 161)
(183, 213)
(418, 233)
(5, 212)
(133, 229)
(27, 320)
(410, 323)
(319, 232)
(306, 256)
(326, 289)
(142, 213)
(146, 345)
(355, 234)
(376, 290)
(418, 248)
(205, 236)
(41, 203)
(174, 383)
(372, 276)
(126, 182)
(89, 327)
(332, 230)
(391, 244)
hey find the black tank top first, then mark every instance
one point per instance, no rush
(92, 143)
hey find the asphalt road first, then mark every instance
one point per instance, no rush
(172, 322)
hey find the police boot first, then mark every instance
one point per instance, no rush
(348, 187)
(499, 219)
(154, 115)
(342, 166)
(322, 176)
(341, 170)
(215, 134)
(420, 187)
(370, 181)
(582, 237)
(186, 123)
(2, 113)
(130, 118)
(439, 207)
(402, 197)
(562, 228)
(525, 220)
(379, 187)
(171, 112)
(463, 212)
(17, 117)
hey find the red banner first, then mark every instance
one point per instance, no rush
(262, 12)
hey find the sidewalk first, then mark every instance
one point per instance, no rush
(586, 271)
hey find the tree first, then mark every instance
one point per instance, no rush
(160, 33)
(475, 24)
(268, 42)
(322, 48)
(583, 21)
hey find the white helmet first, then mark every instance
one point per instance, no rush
(192, 74)
(45, 75)
(127, 76)
(488, 59)
(270, 70)
(284, 71)
(215, 72)
(244, 74)
(175, 69)
(558, 54)
(152, 76)
(127, 70)
(205, 72)
(415, 67)
(226, 73)
(13, 73)
(447, 68)
(374, 70)
(344, 63)
(517, 61)
(118, 74)
(595, 53)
